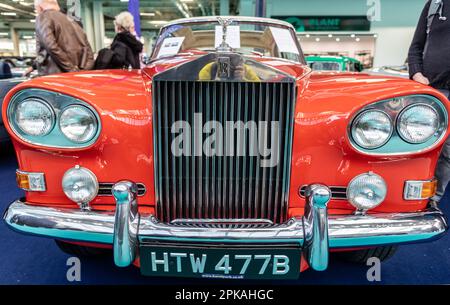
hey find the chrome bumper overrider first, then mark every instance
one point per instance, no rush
(316, 232)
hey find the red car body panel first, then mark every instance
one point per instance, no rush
(321, 150)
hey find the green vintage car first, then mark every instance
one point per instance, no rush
(334, 63)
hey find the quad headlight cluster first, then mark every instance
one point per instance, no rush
(401, 125)
(50, 119)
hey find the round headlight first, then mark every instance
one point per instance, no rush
(80, 185)
(418, 123)
(372, 129)
(34, 117)
(78, 123)
(366, 191)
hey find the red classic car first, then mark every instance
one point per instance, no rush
(226, 157)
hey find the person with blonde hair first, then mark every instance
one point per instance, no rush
(125, 49)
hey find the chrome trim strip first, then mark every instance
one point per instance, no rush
(107, 187)
(335, 192)
(345, 231)
(126, 220)
(207, 19)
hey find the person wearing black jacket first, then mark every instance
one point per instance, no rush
(429, 64)
(125, 46)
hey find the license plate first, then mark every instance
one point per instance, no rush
(234, 262)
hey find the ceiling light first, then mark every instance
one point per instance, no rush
(148, 14)
(4, 34)
(358, 39)
(330, 35)
(338, 39)
(187, 0)
(27, 37)
(317, 39)
(32, 20)
(352, 35)
(158, 22)
(307, 35)
(26, 3)
(8, 13)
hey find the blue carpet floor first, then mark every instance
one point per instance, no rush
(32, 260)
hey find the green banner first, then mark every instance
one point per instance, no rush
(327, 23)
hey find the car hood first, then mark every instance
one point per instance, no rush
(188, 67)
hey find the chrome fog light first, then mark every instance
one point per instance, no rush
(366, 191)
(80, 185)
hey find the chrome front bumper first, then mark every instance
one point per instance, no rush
(316, 231)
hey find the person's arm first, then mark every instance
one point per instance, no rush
(45, 31)
(415, 54)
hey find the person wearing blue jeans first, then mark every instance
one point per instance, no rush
(442, 172)
(429, 64)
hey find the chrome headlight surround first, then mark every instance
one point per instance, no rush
(55, 138)
(20, 113)
(78, 123)
(389, 126)
(394, 108)
(400, 122)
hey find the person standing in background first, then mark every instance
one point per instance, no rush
(61, 44)
(429, 64)
(126, 47)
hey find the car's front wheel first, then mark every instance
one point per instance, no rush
(361, 256)
(82, 251)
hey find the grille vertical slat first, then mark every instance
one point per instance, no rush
(206, 178)
(231, 160)
(225, 159)
(193, 169)
(250, 198)
(245, 176)
(219, 161)
(233, 184)
(173, 161)
(277, 200)
(259, 118)
(166, 177)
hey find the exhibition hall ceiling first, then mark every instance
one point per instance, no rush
(153, 12)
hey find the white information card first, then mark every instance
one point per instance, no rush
(170, 46)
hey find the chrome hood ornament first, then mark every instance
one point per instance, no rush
(224, 46)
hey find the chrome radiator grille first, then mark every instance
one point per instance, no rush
(228, 185)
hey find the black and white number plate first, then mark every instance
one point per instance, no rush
(230, 261)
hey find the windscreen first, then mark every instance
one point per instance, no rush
(257, 39)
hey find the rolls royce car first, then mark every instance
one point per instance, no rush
(226, 157)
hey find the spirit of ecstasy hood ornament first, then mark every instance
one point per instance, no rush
(224, 46)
